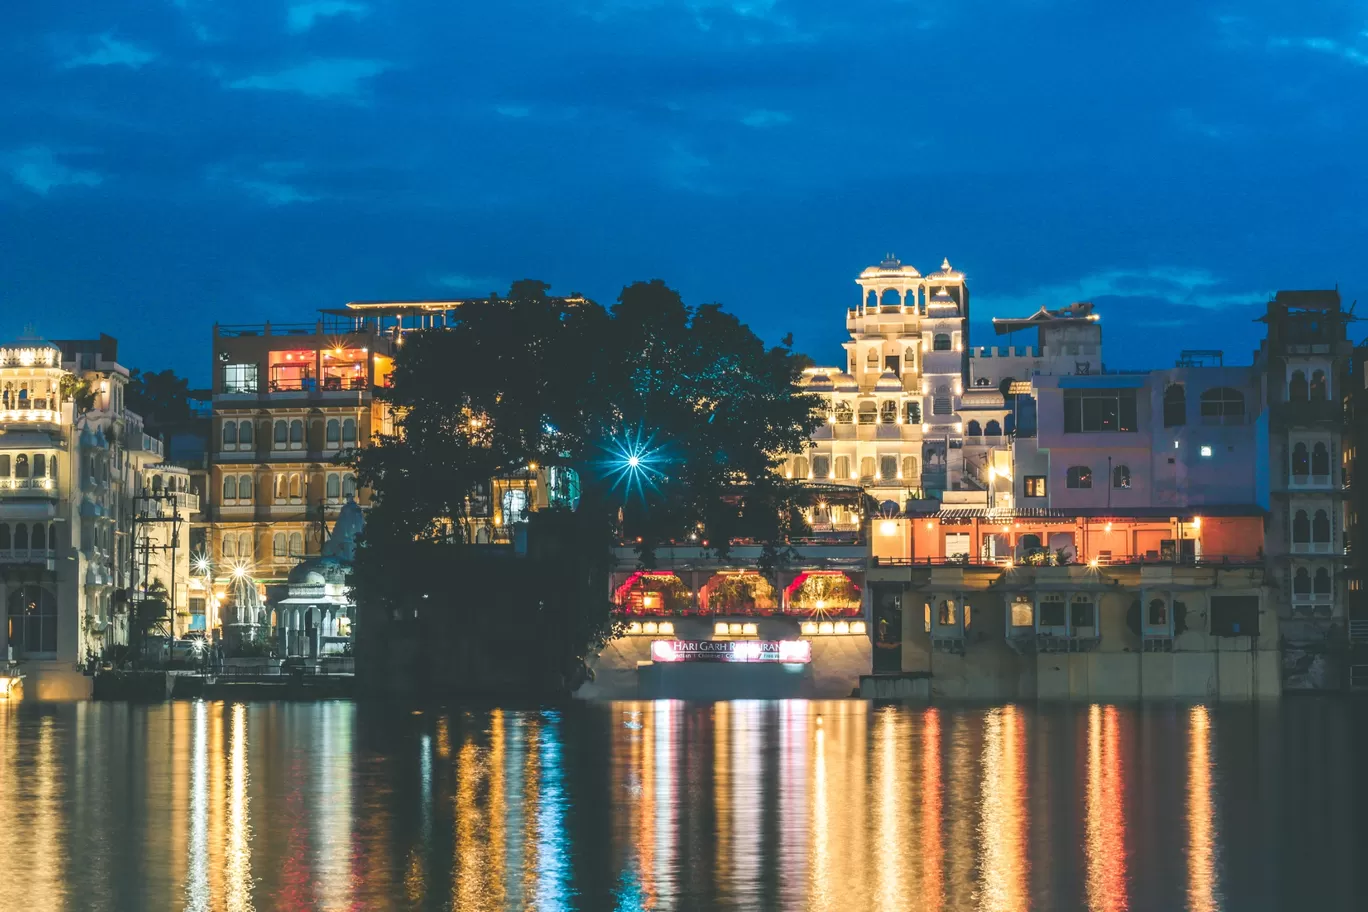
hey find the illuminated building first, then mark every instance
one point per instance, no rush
(1355, 479)
(72, 459)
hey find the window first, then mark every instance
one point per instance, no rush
(1318, 386)
(1320, 460)
(239, 378)
(280, 435)
(842, 466)
(282, 487)
(946, 612)
(1158, 613)
(1234, 615)
(296, 487)
(245, 488)
(1301, 463)
(973, 429)
(4, 466)
(1296, 387)
(1079, 477)
(39, 540)
(1204, 451)
(844, 414)
(909, 468)
(1301, 582)
(245, 435)
(821, 467)
(914, 413)
(891, 364)
(40, 465)
(33, 620)
(334, 433)
(1052, 611)
(514, 506)
(1320, 528)
(296, 434)
(5, 544)
(334, 486)
(1301, 528)
(229, 545)
(349, 485)
(867, 467)
(1081, 613)
(941, 342)
(278, 544)
(1321, 586)
(992, 429)
(1099, 411)
(21, 537)
(872, 361)
(296, 544)
(1023, 613)
(869, 413)
(800, 467)
(888, 412)
(888, 468)
(21, 466)
(1223, 405)
(941, 403)
(230, 435)
(1175, 405)
(230, 489)
(1033, 486)
(1121, 477)
(244, 545)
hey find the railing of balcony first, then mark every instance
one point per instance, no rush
(27, 486)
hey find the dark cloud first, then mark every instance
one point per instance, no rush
(166, 163)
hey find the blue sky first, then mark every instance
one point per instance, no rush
(168, 163)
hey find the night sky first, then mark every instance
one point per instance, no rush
(168, 163)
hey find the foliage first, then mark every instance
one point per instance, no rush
(826, 593)
(160, 397)
(563, 382)
(742, 593)
(263, 647)
(78, 390)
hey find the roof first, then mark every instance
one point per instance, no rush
(888, 382)
(1078, 312)
(1184, 514)
(891, 267)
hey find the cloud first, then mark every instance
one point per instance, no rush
(471, 285)
(275, 193)
(304, 16)
(319, 78)
(763, 118)
(37, 169)
(1191, 288)
(106, 50)
(1346, 52)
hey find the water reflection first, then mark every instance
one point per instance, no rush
(652, 805)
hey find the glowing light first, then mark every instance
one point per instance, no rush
(1108, 527)
(720, 628)
(826, 627)
(634, 463)
(1197, 522)
(667, 627)
(821, 604)
(841, 627)
(663, 651)
(239, 572)
(750, 629)
(888, 527)
(1093, 563)
(650, 627)
(930, 525)
(634, 628)
(857, 627)
(795, 651)
(809, 628)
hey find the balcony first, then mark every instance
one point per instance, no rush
(1313, 547)
(28, 556)
(1309, 482)
(27, 487)
(31, 411)
(1306, 413)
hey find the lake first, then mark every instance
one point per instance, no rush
(841, 805)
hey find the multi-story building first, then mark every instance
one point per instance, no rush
(1304, 361)
(1355, 481)
(289, 402)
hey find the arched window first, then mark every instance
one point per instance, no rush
(280, 434)
(52, 536)
(39, 540)
(230, 435)
(910, 468)
(941, 342)
(941, 403)
(1175, 405)
(33, 620)
(4, 465)
(1320, 460)
(1301, 527)
(909, 359)
(1296, 387)
(992, 428)
(888, 468)
(349, 432)
(800, 467)
(245, 546)
(244, 487)
(1121, 477)
(282, 487)
(866, 468)
(296, 487)
(890, 298)
(946, 613)
(334, 433)
(21, 466)
(973, 429)
(39, 465)
(1320, 527)
(229, 488)
(296, 434)
(349, 485)
(245, 434)
(4, 537)
(1318, 386)
(1158, 613)
(821, 467)
(869, 412)
(842, 467)
(872, 359)
(334, 486)
(888, 412)
(914, 413)
(1222, 405)
(278, 544)
(229, 545)
(21, 541)
(156, 484)
(1301, 462)
(1079, 477)
(296, 544)
(844, 414)
(1321, 586)
(1301, 582)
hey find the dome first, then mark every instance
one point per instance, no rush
(350, 522)
(30, 350)
(845, 383)
(820, 383)
(891, 267)
(888, 382)
(946, 272)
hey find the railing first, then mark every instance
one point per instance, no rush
(24, 487)
(1358, 677)
(26, 555)
(30, 412)
(1358, 631)
(1309, 481)
(239, 330)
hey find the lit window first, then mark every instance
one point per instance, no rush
(1206, 452)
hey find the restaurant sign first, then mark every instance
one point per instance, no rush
(786, 651)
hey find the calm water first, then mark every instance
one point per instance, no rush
(744, 805)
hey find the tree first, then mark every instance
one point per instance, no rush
(705, 407)
(162, 398)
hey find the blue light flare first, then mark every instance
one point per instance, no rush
(634, 462)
